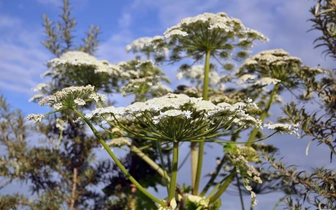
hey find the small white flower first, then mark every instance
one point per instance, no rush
(198, 200)
(171, 113)
(249, 188)
(40, 86)
(267, 81)
(35, 117)
(60, 124)
(245, 78)
(119, 142)
(98, 97)
(79, 101)
(58, 106)
(36, 97)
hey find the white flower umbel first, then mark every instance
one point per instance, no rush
(70, 97)
(217, 33)
(274, 66)
(148, 44)
(143, 79)
(175, 117)
(267, 81)
(198, 201)
(281, 127)
(82, 59)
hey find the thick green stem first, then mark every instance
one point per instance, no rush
(222, 188)
(206, 75)
(199, 161)
(193, 159)
(263, 115)
(172, 187)
(119, 164)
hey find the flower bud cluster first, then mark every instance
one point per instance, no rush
(240, 159)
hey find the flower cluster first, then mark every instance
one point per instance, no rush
(71, 97)
(200, 202)
(176, 117)
(142, 77)
(276, 57)
(239, 158)
(219, 21)
(272, 67)
(215, 33)
(281, 127)
(35, 117)
(81, 59)
(149, 45)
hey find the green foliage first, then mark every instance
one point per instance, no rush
(60, 35)
(324, 20)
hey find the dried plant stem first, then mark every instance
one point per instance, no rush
(74, 187)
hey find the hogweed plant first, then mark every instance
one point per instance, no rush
(202, 37)
(175, 118)
(171, 119)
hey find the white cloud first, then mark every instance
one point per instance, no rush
(7, 21)
(114, 50)
(51, 2)
(125, 20)
(22, 56)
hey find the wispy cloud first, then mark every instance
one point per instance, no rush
(22, 56)
(50, 2)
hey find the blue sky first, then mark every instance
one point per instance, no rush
(22, 56)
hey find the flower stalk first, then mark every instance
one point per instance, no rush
(199, 160)
(172, 187)
(263, 114)
(116, 160)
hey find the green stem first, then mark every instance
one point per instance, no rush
(240, 193)
(165, 174)
(172, 187)
(199, 167)
(248, 143)
(213, 176)
(150, 162)
(193, 159)
(199, 161)
(223, 187)
(263, 115)
(206, 75)
(119, 164)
